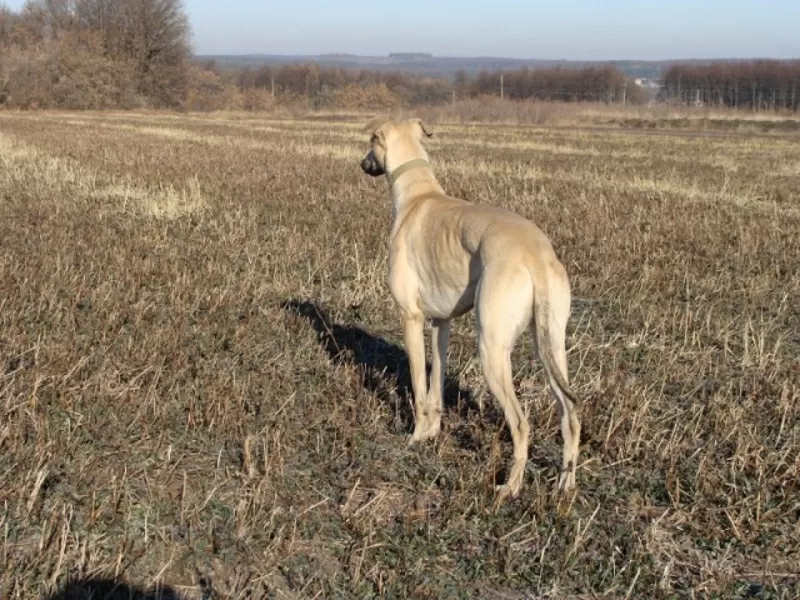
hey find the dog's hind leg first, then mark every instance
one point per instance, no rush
(496, 362)
(568, 412)
(503, 310)
(550, 329)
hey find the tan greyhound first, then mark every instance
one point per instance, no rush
(447, 255)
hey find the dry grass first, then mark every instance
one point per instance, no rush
(583, 114)
(203, 383)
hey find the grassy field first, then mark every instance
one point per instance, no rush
(204, 386)
(585, 114)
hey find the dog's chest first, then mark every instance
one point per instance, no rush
(445, 302)
(419, 281)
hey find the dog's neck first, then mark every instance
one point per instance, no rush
(414, 163)
(408, 180)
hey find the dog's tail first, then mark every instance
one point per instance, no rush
(543, 321)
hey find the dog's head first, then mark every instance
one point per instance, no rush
(398, 138)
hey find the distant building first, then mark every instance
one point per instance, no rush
(646, 83)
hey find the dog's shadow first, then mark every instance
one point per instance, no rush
(111, 589)
(384, 365)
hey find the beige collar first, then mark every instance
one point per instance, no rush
(412, 164)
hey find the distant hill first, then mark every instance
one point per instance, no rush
(437, 66)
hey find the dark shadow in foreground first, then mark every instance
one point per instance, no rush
(111, 589)
(383, 363)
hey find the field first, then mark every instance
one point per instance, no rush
(204, 386)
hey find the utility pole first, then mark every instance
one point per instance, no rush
(624, 92)
(501, 86)
(454, 97)
(272, 85)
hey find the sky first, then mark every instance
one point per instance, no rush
(559, 29)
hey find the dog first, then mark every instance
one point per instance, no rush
(447, 256)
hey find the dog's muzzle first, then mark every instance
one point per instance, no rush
(370, 166)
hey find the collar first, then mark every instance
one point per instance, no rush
(412, 164)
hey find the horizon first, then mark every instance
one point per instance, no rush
(493, 57)
(573, 30)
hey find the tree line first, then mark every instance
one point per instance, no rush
(590, 84)
(322, 87)
(756, 85)
(94, 53)
(597, 84)
(137, 53)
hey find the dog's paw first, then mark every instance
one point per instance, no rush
(503, 492)
(424, 431)
(567, 481)
(416, 438)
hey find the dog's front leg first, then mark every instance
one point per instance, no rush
(440, 339)
(413, 334)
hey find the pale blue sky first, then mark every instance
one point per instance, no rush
(571, 29)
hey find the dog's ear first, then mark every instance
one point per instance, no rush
(374, 125)
(422, 131)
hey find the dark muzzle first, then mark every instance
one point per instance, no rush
(370, 166)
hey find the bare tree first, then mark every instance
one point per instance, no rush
(153, 36)
(6, 25)
(606, 84)
(756, 85)
(95, 52)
